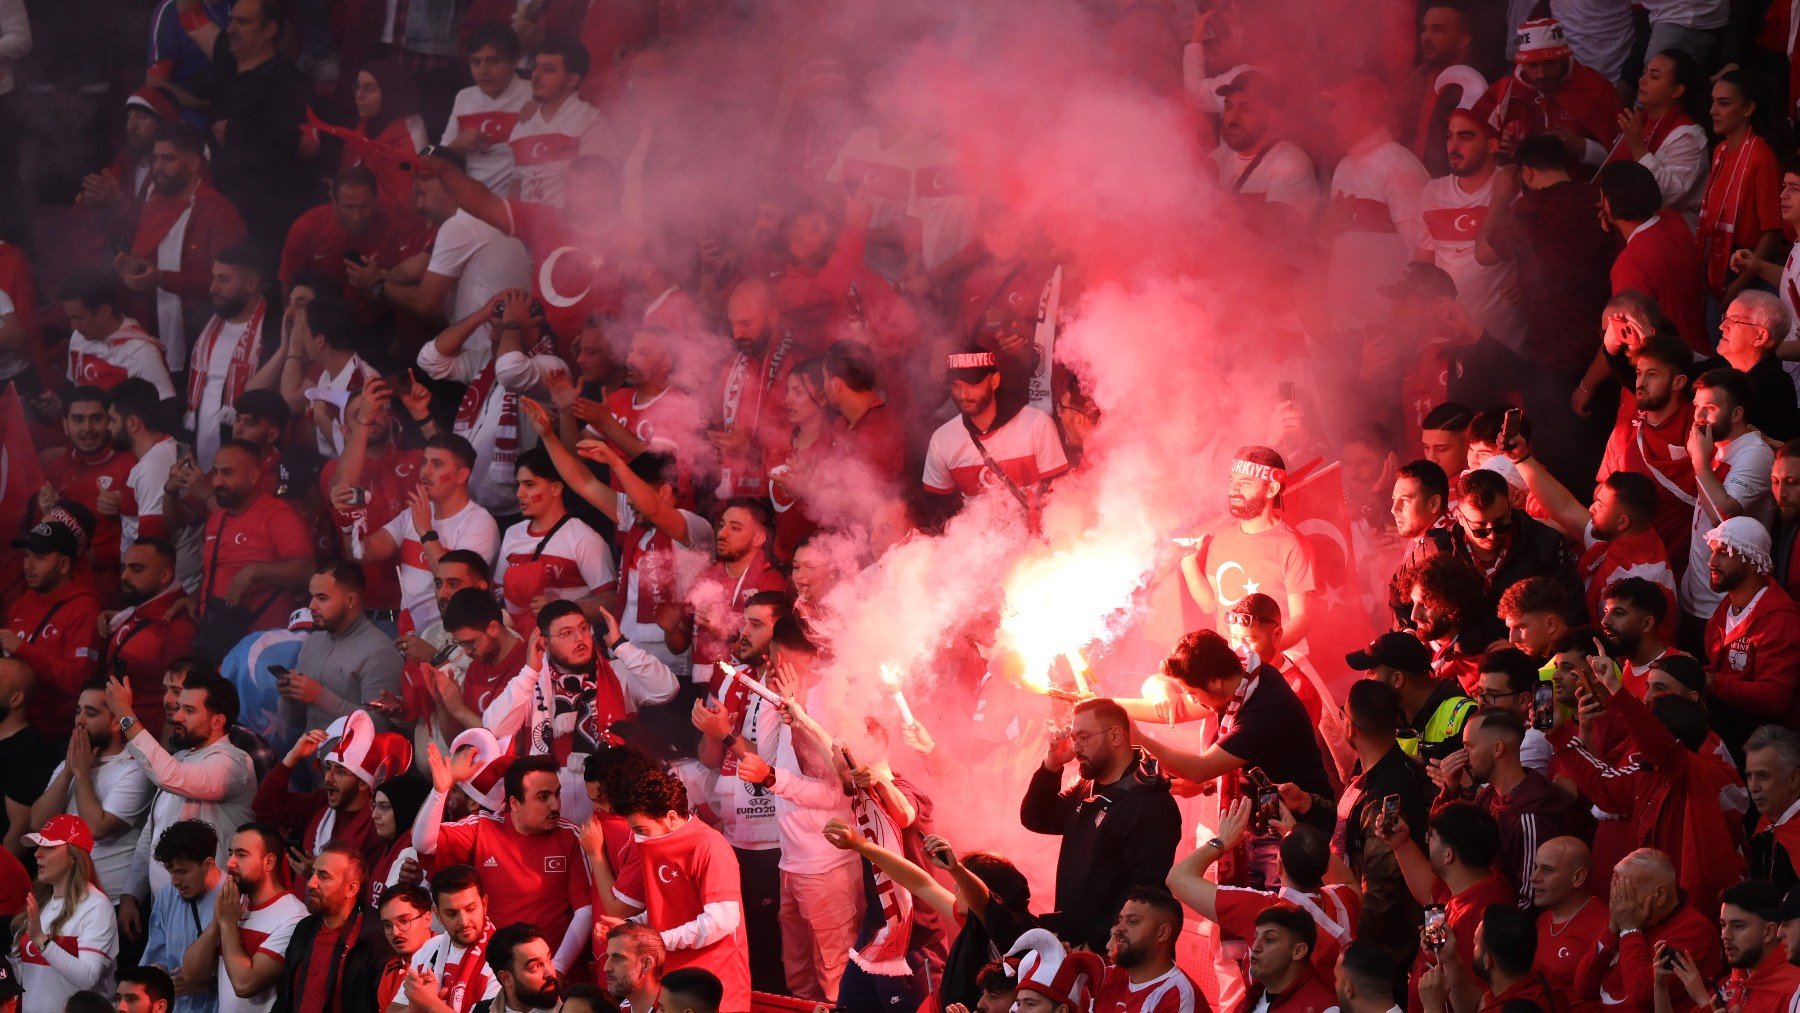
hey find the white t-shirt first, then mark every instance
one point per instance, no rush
(1027, 448)
(913, 175)
(212, 412)
(543, 148)
(471, 528)
(575, 562)
(692, 555)
(126, 352)
(267, 929)
(444, 959)
(330, 438)
(1747, 481)
(1452, 218)
(145, 484)
(125, 791)
(495, 117)
(1284, 176)
(85, 947)
(481, 258)
(1790, 291)
(1383, 180)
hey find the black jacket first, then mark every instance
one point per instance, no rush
(1536, 550)
(356, 975)
(1114, 837)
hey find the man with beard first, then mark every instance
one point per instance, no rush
(1253, 550)
(1119, 824)
(90, 471)
(729, 723)
(1527, 807)
(1552, 93)
(741, 568)
(531, 859)
(1634, 613)
(475, 622)
(563, 703)
(1442, 80)
(439, 518)
(1143, 977)
(337, 813)
(25, 753)
(1784, 487)
(1452, 617)
(1650, 439)
(98, 782)
(253, 922)
(1772, 775)
(550, 556)
(1761, 978)
(54, 624)
(1504, 543)
(1454, 207)
(137, 422)
(153, 629)
(450, 973)
(1365, 979)
(522, 963)
(1616, 531)
(750, 410)
(121, 188)
(184, 226)
(1421, 499)
(206, 777)
(993, 445)
(1731, 464)
(634, 966)
(337, 953)
(346, 661)
(230, 348)
(1753, 639)
(1271, 176)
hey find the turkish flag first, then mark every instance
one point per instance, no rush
(1314, 506)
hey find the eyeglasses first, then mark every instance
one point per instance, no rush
(1081, 738)
(1499, 527)
(403, 923)
(1741, 322)
(1490, 696)
(571, 633)
(1240, 619)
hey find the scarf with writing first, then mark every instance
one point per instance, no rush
(506, 432)
(885, 953)
(653, 560)
(237, 374)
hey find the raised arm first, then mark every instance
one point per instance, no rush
(574, 474)
(903, 872)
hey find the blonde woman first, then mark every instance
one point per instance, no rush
(67, 939)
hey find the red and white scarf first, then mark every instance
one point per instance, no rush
(465, 989)
(886, 952)
(506, 433)
(243, 361)
(1719, 211)
(654, 564)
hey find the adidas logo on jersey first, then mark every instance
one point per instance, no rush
(490, 863)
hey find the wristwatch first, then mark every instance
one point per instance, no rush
(125, 724)
(728, 740)
(769, 782)
(429, 536)
(1217, 844)
(379, 288)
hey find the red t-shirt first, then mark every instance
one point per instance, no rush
(1560, 949)
(877, 440)
(684, 872)
(482, 682)
(266, 531)
(1173, 992)
(1663, 261)
(317, 242)
(1465, 911)
(317, 996)
(83, 479)
(536, 878)
(389, 480)
(718, 599)
(1659, 453)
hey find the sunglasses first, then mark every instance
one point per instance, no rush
(1499, 527)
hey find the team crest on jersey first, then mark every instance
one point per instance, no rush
(104, 482)
(556, 863)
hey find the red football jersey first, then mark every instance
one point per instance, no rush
(536, 878)
(683, 872)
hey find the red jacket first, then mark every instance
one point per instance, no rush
(1769, 987)
(214, 225)
(1756, 667)
(1534, 989)
(1680, 802)
(1662, 260)
(1619, 973)
(1307, 995)
(144, 643)
(59, 630)
(300, 813)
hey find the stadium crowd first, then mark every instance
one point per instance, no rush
(551, 469)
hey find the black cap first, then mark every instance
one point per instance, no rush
(1684, 670)
(49, 536)
(1421, 281)
(1788, 909)
(1401, 651)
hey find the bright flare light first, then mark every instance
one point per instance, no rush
(1059, 603)
(891, 678)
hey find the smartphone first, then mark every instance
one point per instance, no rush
(354, 257)
(399, 383)
(1665, 957)
(431, 151)
(1285, 392)
(1266, 801)
(1390, 814)
(444, 653)
(1437, 927)
(1543, 706)
(280, 671)
(1509, 428)
(358, 496)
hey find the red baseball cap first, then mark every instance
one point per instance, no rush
(63, 828)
